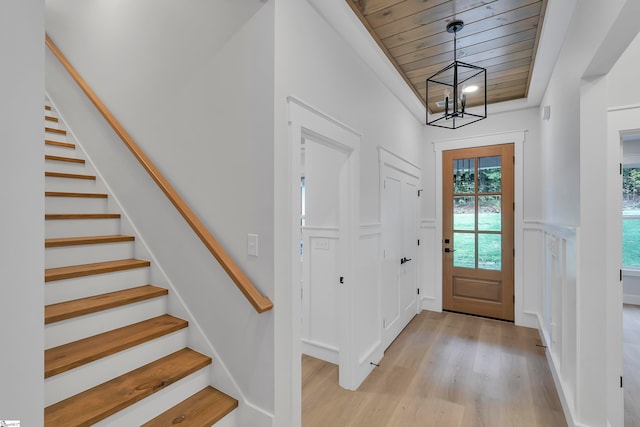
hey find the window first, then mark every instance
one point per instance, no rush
(631, 217)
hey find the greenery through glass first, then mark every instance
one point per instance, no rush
(631, 226)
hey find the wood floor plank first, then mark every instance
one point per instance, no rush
(203, 409)
(97, 403)
(444, 369)
(60, 273)
(86, 240)
(72, 355)
(80, 307)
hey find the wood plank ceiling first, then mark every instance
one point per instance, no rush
(499, 35)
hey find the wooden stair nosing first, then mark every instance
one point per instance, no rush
(205, 408)
(73, 271)
(97, 403)
(86, 240)
(51, 119)
(80, 307)
(78, 353)
(59, 144)
(53, 130)
(69, 175)
(77, 195)
(63, 159)
(82, 216)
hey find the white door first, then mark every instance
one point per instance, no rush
(399, 243)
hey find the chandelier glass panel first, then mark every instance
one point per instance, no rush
(457, 94)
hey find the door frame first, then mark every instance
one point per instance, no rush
(517, 138)
(306, 120)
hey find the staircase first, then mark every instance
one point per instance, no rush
(114, 356)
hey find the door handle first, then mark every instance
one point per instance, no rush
(405, 259)
(447, 250)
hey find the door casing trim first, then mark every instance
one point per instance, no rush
(517, 138)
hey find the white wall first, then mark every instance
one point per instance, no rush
(22, 217)
(623, 90)
(579, 167)
(192, 82)
(315, 65)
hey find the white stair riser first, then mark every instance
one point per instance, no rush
(81, 287)
(72, 382)
(75, 205)
(53, 136)
(70, 185)
(81, 227)
(231, 420)
(67, 167)
(51, 124)
(56, 150)
(159, 402)
(75, 329)
(87, 254)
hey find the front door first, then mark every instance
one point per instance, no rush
(478, 231)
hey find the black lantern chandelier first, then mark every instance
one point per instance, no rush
(457, 94)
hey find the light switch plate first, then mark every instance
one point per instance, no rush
(252, 244)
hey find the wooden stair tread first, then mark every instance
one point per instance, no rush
(79, 307)
(69, 175)
(106, 399)
(59, 144)
(58, 131)
(82, 216)
(86, 240)
(51, 119)
(206, 407)
(47, 107)
(69, 272)
(68, 356)
(81, 195)
(63, 159)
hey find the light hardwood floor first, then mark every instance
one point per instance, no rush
(631, 353)
(444, 369)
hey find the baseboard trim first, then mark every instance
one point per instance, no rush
(631, 299)
(320, 351)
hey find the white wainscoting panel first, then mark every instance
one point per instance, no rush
(430, 298)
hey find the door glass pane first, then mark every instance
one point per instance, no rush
(631, 243)
(631, 191)
(464, 176)
(490, 251)
(489, 213)
(464, 213)
(489, 175)
(464, 245)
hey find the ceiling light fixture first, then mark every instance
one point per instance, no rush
(457, 94)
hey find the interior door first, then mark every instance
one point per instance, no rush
(399, 240)
(478, 231)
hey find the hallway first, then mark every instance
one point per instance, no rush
(444, 369)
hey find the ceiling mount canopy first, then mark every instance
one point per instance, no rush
(456, 95)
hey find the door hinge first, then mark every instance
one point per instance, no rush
(341, 279)
(419, 191)
(418, 242)
(620, 168)
(514, 206)
(514, 251)
(514, 160)
(620, 381)
(514, 299)
(621, 275)
(418, 289)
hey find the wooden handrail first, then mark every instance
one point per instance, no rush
(260, 302)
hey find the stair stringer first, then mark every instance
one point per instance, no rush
(247, 414)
